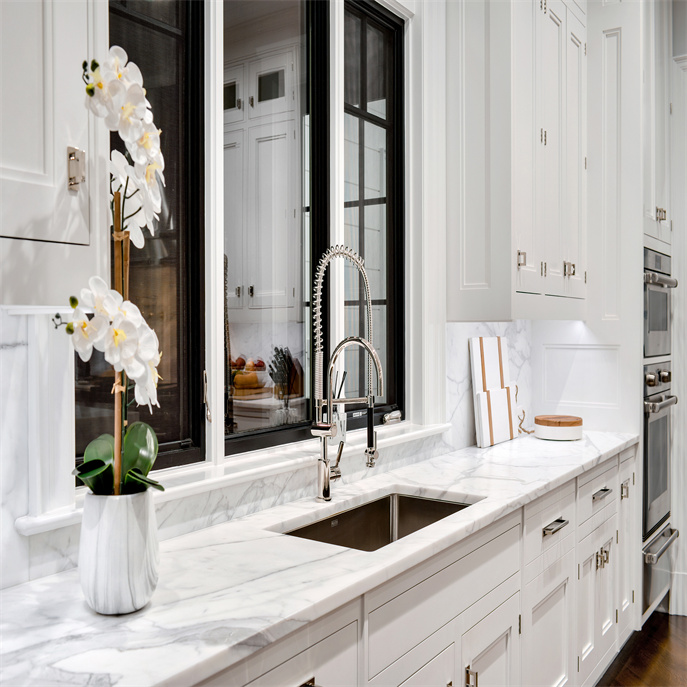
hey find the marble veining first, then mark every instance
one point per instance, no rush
(226, 591)
(459, 398)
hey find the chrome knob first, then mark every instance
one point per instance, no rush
(664, 376)
(651, 379)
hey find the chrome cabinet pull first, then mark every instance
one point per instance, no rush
(601, 494)
(522, 259)
(652, 558)
(76, 168)
(657, 407)
(554, 527)
(625, 490)
(606, 555)
(599, 560)
(660, 280)
(469, 674)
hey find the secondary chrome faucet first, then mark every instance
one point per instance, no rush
(326, 429)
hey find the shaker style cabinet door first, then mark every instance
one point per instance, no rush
(490, 650)
(628, 544)
(234, 217)
(548, 622)
(551, 43)
(575, 222)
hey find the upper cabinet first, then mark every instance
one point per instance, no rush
(516, 100)
(53, 167)
(657, 19)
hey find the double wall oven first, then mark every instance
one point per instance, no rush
(658, 404)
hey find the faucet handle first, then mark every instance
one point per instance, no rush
(323, 429)
(371, 454)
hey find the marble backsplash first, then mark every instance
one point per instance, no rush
(459, 404)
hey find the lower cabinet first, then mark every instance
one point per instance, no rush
(548, 622)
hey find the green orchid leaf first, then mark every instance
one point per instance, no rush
(101, 448)
(135, 481)
(97, 475)
(139, 449)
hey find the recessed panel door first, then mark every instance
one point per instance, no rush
(271, 85)
(575, 214)
(491, 649)
(234, 218)
(271, 237)
(551, 65)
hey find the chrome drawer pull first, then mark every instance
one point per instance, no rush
(469, 674)
(554, 527)
(652, 558)
(650, 407)
(601, 494)
(660, 280)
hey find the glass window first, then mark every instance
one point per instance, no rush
(267, 211)
(373, 176)
(164, 39)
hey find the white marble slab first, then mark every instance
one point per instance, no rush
(228, 590)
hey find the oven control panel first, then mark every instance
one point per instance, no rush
(657, 378)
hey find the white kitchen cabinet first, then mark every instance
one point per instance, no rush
(657, 58)
(262, 209)
(53, 236)
(490, 649)
(516, 224)
(628, 544)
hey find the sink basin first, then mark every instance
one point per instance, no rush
(372, 525)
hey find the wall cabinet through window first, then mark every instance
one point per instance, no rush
(517, 231)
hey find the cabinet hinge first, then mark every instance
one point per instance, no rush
(578, 664)
(585, 48)
(633, 596)
(671, 225)
(616, 615)
(585, 276)
(578, 571)
(520, 624)
(544, 268)
(616, 536)
(541, 135)
(633, 481)
(585, 163)
(671, 108)
(544, 136)
(541, 268)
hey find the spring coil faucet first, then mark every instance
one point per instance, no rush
(327, 429)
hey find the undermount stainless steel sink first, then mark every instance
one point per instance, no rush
(372, 525)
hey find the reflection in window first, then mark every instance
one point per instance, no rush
(265, 219)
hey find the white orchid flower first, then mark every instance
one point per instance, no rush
(87, 332)
(146, 377)
(98, 99)
(120, 343)
(104, 300)
(118, 68)
(128, 108)
(145, 391)
(147, 147)
(130, 313)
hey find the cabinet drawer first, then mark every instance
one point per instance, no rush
(598, 493)
(549, 520)
(404, 621)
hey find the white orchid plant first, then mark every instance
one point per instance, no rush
(104, 319)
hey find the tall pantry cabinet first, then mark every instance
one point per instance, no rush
(516, 100)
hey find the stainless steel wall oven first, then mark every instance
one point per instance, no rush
(657, 316)
(658, 402)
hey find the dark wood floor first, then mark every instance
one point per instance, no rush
(654, 657)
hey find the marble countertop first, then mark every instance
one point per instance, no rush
(229, 590)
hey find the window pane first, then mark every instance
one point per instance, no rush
(230, 96)
(160, 281)
(375, 161)
(271, 86)
(351, 157)
(376, 72)
(266, 228)
(375, 249)
(352, 42)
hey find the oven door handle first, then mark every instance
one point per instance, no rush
(652, 558)
(652, 407)
(660, 280)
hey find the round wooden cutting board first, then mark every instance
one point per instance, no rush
(558, 427)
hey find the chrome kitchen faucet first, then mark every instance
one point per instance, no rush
(327, 429)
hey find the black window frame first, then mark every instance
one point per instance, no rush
(394, 374)
(191, 449)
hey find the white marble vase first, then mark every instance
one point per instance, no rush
(118, 552)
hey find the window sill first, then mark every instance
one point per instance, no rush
(192, 480)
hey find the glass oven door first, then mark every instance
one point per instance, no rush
(657, 461)
(656, 320)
